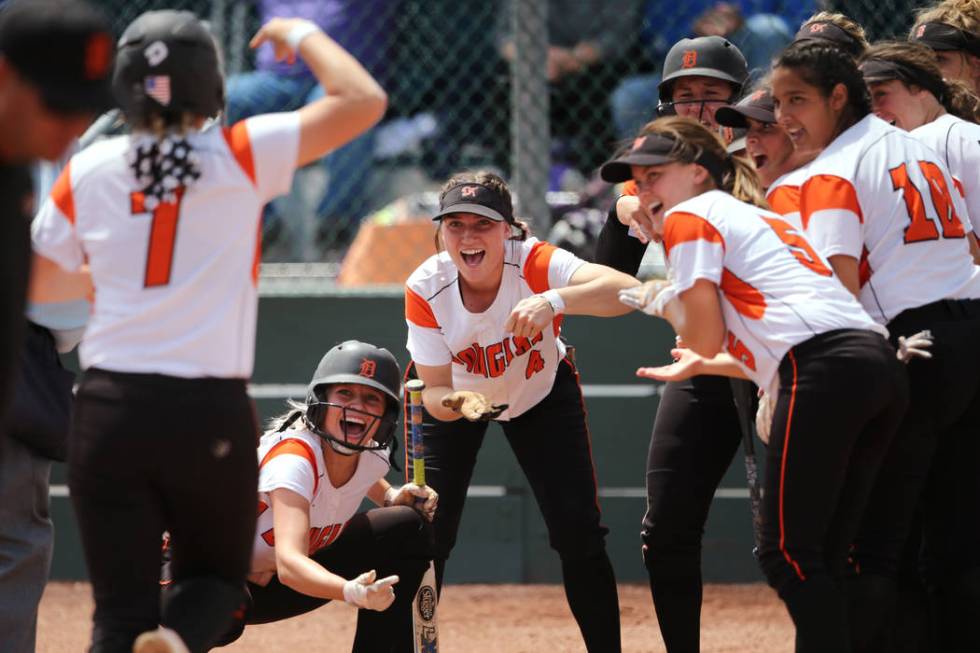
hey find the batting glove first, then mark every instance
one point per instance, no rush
(915, 346)
(651, 297)
(421, 497)
(370, 594)
(473, 405)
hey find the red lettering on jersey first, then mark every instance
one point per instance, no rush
(323, 537)
(801, 250)
(864, 268)
(269, 537)
(496, 363)
(741, 353)
(481, 361)
(922, 227)
(263, 506)
(507, 353)
(535, 363)
(521, 345)
(942, 200)
(368, 368)
(163, 234)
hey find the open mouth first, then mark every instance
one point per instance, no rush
(353, 427)
(760, 160)
(472, 257)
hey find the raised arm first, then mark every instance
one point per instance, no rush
(354, 101)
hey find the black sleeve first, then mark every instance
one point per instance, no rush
(616, 248)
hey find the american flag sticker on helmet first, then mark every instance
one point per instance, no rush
(158, 88)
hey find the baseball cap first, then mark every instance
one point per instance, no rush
(758, 105)
(472, 197)
(652, 150)
(62, 47)
(943, 36)
(825, 30)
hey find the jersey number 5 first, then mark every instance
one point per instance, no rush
(922, 226)
(798, 246)
(163, 233)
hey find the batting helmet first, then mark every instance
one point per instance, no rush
(167, 62)
(705, 56)
(364, 364)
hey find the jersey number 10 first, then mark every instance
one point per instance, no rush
(923, 227)
(163, 233)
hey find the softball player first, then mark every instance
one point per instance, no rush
(484, 318)
(883, 209)
(317, 463)
(168, 221)
(952, 30)
(749, 294)
(696, 431)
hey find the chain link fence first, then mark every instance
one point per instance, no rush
(540, 91)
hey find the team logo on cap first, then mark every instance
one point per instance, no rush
(468, 191)
(690, 59)
(758, 95)
(156, 53)
(817, 27)
(98, 56)
(638, 143)
(919, 32)
(368, 368)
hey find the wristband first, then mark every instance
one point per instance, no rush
(300, 32)
(553, 298)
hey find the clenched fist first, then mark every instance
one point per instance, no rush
(472, 405)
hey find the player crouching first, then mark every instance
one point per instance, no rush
(316, 464)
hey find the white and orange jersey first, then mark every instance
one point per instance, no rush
(293, 460)
(783, 196)
(175, 287)
(957, 142)
(485, 358)
(776, 291)
(877, 194)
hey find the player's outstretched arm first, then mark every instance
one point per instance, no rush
(354, 101)
(594, 290)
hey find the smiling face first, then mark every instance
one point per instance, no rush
(476, 245)
(699, 97)
(662, 187)
(957, 64)
(810, 118)
(896, 103)
(354, 412)
(770, 148)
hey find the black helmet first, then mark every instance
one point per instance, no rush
(705, 56)
(364, 364)
(167, 61)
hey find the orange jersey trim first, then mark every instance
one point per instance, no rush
(746, 299)
(297, 448)
(784, 199)
(828, 192)
(62, 196)
(959, 187)
(782, 475)
(418, 311)
(238, 142)
(536, 267)
(685, 227)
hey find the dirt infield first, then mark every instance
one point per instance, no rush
(476, 619)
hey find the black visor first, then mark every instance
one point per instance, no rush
(652, 150)
(942, 36)
(825, 30)
(477, 199)
(883, 70)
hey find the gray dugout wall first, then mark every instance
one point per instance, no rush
(502, 537)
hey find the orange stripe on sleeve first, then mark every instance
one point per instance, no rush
(418, 311)
(828, 192)
(784, 199)
(685, 227)
(536, 266)
(746, 299)
(238, 142)
(61, 194)
(297, 448)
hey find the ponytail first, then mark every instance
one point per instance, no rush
(745, 184)
(162, 159)
(960, 101)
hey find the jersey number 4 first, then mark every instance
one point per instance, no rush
(163, 233)
(923, 227)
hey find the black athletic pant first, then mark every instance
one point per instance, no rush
(841, 397)
(150, 453)
(933, 468)
(695, 436)
(553, 447)
(394, 540)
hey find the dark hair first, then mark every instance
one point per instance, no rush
(920, 61)
(824, 65)
(490, 180)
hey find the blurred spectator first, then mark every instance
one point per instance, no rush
(589, 42)
(760, 29)
(334, 199)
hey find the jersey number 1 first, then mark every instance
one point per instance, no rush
(163, 233)
(923, 227)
